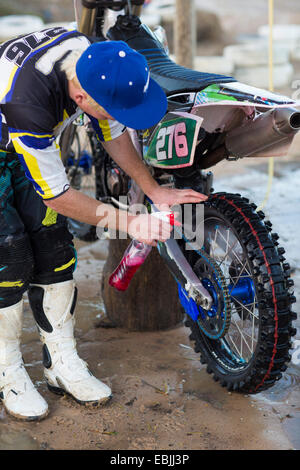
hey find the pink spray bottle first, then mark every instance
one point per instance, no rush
(134, 256)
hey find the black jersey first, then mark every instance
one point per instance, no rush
(36, 106)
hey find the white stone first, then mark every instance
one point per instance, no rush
(62, 24)
(164, 9)
(281, 31)
(256, 53)
(296, 54)
(286, 35)
(214, 64)
(151, 19)
(259, 76)
(16, 25)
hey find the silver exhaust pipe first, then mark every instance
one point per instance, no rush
(268, 130)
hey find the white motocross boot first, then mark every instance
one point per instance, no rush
(53, 307)
(17, 392)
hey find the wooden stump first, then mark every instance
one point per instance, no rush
(185, 33)
(151, 301)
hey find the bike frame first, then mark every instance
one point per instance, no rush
(93, 12)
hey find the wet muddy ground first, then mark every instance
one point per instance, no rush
(163, 398)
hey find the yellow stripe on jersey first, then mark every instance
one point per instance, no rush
(9, 83)
(105, 128)
(57, 148)
(32, 164)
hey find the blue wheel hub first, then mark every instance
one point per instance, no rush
(85, 162)
(242, 292)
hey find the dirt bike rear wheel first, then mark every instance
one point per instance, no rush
(254, 352)
(79, 155)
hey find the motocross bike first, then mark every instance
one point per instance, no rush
(236, 288)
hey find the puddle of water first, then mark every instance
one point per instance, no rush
(282, 391)
(283, 399)
(13, 440)
(292, 428)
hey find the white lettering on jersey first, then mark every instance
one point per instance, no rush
(21, 48)
(46, 63)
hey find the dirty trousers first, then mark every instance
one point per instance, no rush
(35, 243)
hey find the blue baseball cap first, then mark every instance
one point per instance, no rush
(118, 78)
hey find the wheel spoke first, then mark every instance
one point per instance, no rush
(243, 341)
(244, 307)
(226, 250)
(231, 250)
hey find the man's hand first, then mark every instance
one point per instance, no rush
(164, 198)
(149, 229)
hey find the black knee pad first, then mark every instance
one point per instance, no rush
(16, 268)
(54, 255)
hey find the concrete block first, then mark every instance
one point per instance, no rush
(254, 54)
(259, 76)
(15, 25)
(214, 64)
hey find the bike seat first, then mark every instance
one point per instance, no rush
(173, 77)
(169, 75)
